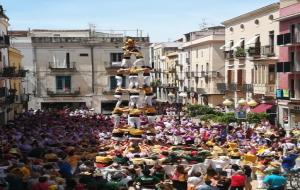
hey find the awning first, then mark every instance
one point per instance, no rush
(261, 108)
(237, 44)
(226, 46)
(252, 40)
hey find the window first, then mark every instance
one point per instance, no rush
(256, 22)
(63, 83)
(201, 53)
(113, 82)
(271, 17)
(272, 74)
(116, 57)
(197, 53)
(61, 59)
(68, 60)
(83, 54)
(231, 29)
(271, 38)
(242, 26)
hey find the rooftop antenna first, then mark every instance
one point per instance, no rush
(203, 24)
(92, 28)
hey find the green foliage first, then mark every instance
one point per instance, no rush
(199, 110)
(225, 118)
(240, 52)
(256, 117)
(208, 117)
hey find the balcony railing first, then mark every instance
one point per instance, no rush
(201, 91)
(11, 72)
(266, 89)
(113, 65)
(247, 87)
(268, 51)
(234, 87)
(65, 92)
(4, 41)
(66, 67)
(222, 87)
(3, 92)
(229, 54)
(254, 51)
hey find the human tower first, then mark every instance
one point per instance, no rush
(140, 96)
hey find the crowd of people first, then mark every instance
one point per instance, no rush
(74, 150)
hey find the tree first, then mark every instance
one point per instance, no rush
(198, 110)
(225, 118)
(256, 117)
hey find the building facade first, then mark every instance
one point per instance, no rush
(251, 54)
(74, 68)
(164, 59)
(204, 65)
(15, 83)
(288, 66)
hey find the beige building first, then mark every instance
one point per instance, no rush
(204, 66)
(75, 68)
(164, 57)
(251, 54)
(15, 83)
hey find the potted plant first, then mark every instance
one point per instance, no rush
(240, 52)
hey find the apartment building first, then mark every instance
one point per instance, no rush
(251, 55)
(18, 73)
(204, 65)
(10, 74)
(288, 66)
(74, 68)
(164, 59)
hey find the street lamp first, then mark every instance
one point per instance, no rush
(227, 103)
(252, 103)
(242, 102)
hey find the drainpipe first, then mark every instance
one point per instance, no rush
(93, 72)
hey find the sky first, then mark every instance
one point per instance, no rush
(162, 20)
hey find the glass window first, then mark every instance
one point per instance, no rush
(63, 83)
(116, 57)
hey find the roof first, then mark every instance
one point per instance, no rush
(60, 30)
(261, 10)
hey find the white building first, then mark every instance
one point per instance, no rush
(72, 67)
(251, 54)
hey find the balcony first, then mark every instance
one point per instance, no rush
(108, 92)
(63, 93)
(229, 54)
(56, 67)
(234, 87)
(265, 89)
(201, 91)
(240, 53)
(4, 41)
(222, 87)
(268, 51)
(247, 87)
(254, 51)
(114, 66)
(11, 72)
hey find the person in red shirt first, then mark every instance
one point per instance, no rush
(42, 184)
(238, 181)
